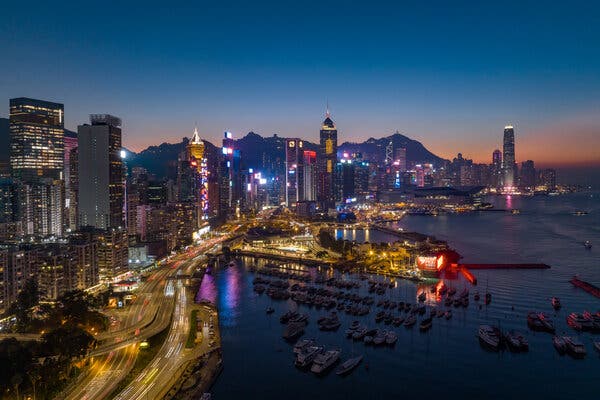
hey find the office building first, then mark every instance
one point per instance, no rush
(509, 157)
(100, 173)
(326, 195)
(36, 139)
(528, 177)
(294, 171)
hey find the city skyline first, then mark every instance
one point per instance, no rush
(424, 73)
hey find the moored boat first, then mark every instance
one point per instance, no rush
(516, 341)
(324, 361)
(348, 365)
(426, 324)
(490, 337)
(307, 356)
(575, 348)
(302, 344)
(559, 344)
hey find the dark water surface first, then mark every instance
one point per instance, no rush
(447, 360)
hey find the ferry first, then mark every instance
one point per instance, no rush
(348, 365)
(324, 361)
(490, 337)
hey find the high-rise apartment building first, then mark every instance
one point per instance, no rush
(100, 173)
(310, 175)
(508, 165)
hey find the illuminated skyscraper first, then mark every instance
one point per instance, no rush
(100, 173)
(294, 174)
(310, 175)
(327, 162)
(509, 157)
(199, 164)
(496, 170)
(36, 139)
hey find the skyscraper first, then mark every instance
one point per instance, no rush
(327, 162)
(509, 157)
(294, 174)
(200, 166)
(310, 175)
(496, 178)
(36, 139)
(100, 173)
(528, 176)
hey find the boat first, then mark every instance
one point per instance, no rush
(391, 338)
(579, 213)
(410, 321)
(559, 344)
(540, 322)
(440, 313)
(307, 356)
(587, 244)
(379, 338)
(324, 361)
(426, 324)
(490, 337)
(270, 310)
(575, 348)
(515, 211)
(516, 341)
(597, 346)
(284, 319)
(300, 318)
(302, 344)
(348, 365)
(579, 322)
(293, 330)
(359, 333)
(555, 303)
(422, 296)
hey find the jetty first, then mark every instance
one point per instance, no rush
(504, 266)
(588, 287)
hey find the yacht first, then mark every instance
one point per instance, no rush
(391, 338)
(559, 344)
(574, 347)
(348, 365)
(410, 320)
(324, 361)
(516, 341)
(490, 336)
(302, 344)
(426, 324)
(307, 356)
(293, 330)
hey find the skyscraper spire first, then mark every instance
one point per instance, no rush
(196, 136)
(327, 113)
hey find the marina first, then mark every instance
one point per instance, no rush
(249, 334)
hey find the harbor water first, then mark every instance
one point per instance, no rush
(447, 360)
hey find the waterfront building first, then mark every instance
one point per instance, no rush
(327, 161)
(508, 164)
(496, 170)
(100, 173)
(36, 139)
(547, 179)
(527, 178)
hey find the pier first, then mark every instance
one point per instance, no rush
(588, 287)
(504, 266)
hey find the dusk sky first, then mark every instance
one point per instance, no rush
(451, 77)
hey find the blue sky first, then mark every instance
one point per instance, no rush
(450, 75)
